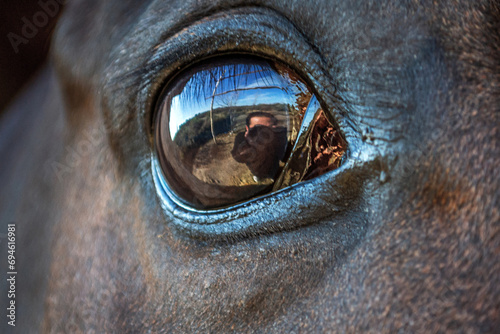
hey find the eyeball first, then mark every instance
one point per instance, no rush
(230, 129)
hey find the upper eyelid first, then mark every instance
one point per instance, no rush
(136, 79)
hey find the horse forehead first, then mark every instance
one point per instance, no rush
(88, 31)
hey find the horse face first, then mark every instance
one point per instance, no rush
(402, 236)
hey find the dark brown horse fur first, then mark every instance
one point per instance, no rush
(404, 237)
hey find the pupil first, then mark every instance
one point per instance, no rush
(225, 129)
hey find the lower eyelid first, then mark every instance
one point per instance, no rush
(302, 204)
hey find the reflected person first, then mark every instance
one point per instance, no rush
(262, 146)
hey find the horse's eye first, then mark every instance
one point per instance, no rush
(231, 129)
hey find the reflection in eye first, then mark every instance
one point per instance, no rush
(231, 129)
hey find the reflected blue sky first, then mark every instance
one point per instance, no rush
(229, 85)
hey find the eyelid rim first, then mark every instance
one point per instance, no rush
(253, 31)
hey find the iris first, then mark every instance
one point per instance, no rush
(229, 129)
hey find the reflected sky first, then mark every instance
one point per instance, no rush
(214, 86)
